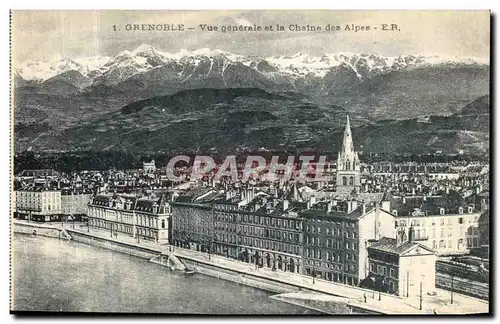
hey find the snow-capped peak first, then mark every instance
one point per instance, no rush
(144, 49)
(145, 57)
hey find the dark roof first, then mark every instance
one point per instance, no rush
(318, 213)
(192, 194)
(102, 200)
(389, 245)
(430, 205)
(145, 205)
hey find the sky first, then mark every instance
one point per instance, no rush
(74, 34)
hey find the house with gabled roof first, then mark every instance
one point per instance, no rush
(401, 266)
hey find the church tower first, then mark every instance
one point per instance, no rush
(348, 168)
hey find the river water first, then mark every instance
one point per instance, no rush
(56, 275)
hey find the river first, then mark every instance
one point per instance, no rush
(56, 275)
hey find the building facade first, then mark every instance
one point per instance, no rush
(193, 226)
(269, 236)
(73, 204)
(335, 239)
(401, 266)
(258, 229)
(443, 225)
(140, 218)
(38, 205)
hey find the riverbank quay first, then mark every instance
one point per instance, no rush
(283, 282)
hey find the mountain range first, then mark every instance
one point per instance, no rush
(122, 100)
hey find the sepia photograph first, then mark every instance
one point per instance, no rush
(250, 162)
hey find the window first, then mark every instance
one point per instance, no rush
(379, 269)
(391, 273)
(344, 181)
(460, 211)
(442, 219)
(162, 223)
(461, 219)
(351, 181)
(385, 271)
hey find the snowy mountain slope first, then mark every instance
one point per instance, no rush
(145, 58)
(372, 85)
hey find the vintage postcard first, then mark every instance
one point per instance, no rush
(250, 162)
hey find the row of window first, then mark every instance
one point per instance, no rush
(258, 243)
(383, 270)
(334, 244)
(142, 220)
(329, 256)
(256, 219)
(329, 231)
(338, 267)
(442, 221)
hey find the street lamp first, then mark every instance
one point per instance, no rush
(421, 294)
(314, 270)
(407, 284)
(451, 296)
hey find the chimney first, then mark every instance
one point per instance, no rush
(228, 195)
(329, 207)
(269, 206)
(386, 205)
(411, 234)
(285, 204)
(400, 237)
(352, 205)
(404, 200)
(313, 200)
(447, 189)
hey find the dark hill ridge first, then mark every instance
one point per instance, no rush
(479, 106)
(229, 120)
(364, 84)
(197, 99)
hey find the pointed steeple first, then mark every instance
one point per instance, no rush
(347, 144)
(348, 168)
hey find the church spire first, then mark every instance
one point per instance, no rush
(347, 144)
